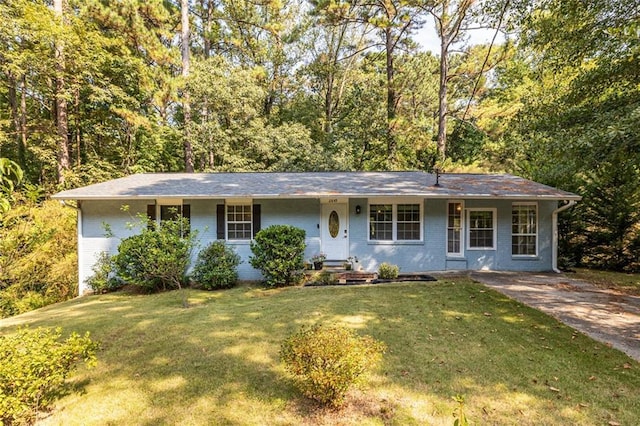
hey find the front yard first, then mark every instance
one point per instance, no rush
(217, 362)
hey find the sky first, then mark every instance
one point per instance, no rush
(429, 41)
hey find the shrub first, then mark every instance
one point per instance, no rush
(34, 367)
(388, 271)
(103, 280)
(157, 258)
(327, 360)
(324, 278)
(217, 266)
(38, 258)
(278, 252)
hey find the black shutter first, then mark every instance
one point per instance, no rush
(220, 222)
(186, 213)
(151, 212)
(256, 219)
(151, 215)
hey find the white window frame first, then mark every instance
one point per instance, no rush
(462, 229)
(394, 202)
(228, 222)
(536, 234)
(494, 225)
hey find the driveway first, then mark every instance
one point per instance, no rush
(605, 315)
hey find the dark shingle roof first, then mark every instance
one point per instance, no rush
(313, 185)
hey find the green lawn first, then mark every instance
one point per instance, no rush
(619, 281)
(217, 362)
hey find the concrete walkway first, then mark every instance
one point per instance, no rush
(605, 315)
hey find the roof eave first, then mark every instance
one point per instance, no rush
(318, 195)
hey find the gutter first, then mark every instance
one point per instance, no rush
(554, 242)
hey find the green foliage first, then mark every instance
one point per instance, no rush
(611, 214)
(103, 278)
(234, 135)
(388, 271)
(158, 257)
(217, 266)
(10, 175)
(328, 360)
(573, 105)
(38, 258)
(459, 414)
(323, 278)
(278, 252)
(35, 364)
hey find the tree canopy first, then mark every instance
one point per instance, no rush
(96, 89)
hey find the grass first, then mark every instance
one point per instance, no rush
(217, 362)
(619, 281)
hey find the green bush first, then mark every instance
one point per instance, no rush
(324, 278)
(38, 258)
(388, 271)
(33, 370)
(278, 252)
(327, 360)
(217, 266)
(103, 280)
(157, 258)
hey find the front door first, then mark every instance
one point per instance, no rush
(334, 233)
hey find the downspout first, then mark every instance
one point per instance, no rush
(554, 225)
(79, 242)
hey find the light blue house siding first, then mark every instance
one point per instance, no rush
(429, 254)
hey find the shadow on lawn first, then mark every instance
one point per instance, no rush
(217, 362)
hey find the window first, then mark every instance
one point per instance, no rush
(454, 228)
(239, 222)
(481, 224)
(168, 212)
(381, 221)
(408, 227)
(395, 222)
(524, 229)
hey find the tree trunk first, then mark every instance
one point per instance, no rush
(22, 144)
(78, 128)
(328, 107)
(442, 97)
(62, 124)
(391, 102)
(448, 25)
(18, 115)
(186, 106)
(206, 7)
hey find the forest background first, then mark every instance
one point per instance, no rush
(97, 89)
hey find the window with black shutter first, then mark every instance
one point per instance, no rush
(237, 221)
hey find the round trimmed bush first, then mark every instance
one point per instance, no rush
(327, 360)
(388, 271)
(217, 266)
(278, 252)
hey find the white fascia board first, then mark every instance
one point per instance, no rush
(321, 195)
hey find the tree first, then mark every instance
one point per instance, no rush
(394, 21)
(449, 18)
(186, 106)
(60, 96)
(576, 83)
(235, 135)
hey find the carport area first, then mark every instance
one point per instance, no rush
(604, 315)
